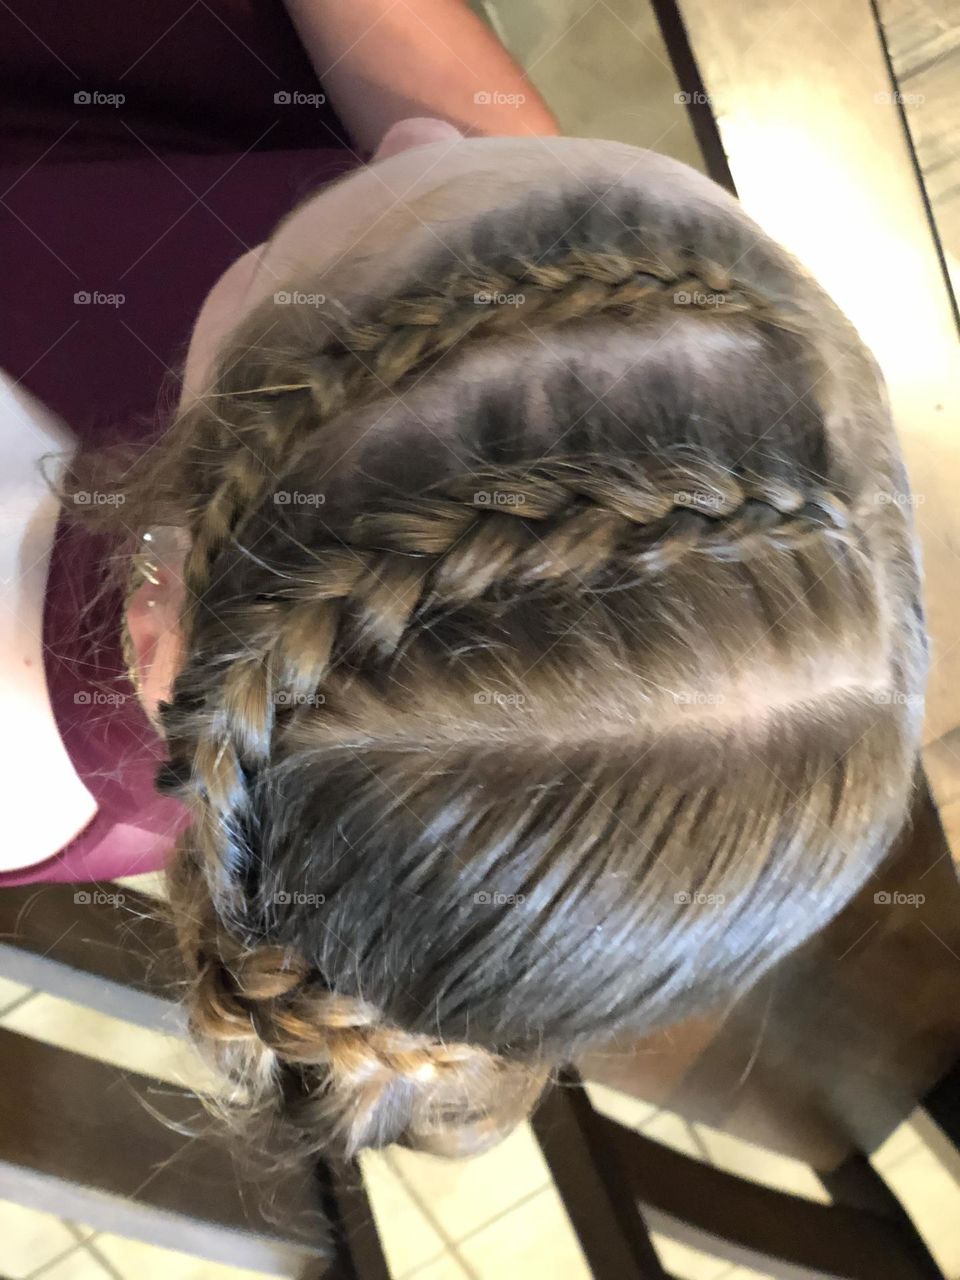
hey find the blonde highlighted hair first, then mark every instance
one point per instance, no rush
(554, 658)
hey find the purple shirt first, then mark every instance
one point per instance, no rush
(149, 201)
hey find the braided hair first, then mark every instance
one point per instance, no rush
(565, 702)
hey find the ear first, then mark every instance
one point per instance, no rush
(153, 618)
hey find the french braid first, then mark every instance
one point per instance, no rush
(356, 360)
(445, 548)
(267, 1015)
(433, 552)
(277, 625)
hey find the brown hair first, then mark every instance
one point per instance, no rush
(553, 657)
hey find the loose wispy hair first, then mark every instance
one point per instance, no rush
(553, 657)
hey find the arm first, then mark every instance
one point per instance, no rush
(383, 60)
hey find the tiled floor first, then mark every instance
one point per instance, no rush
(493, 1216)
(603, 68)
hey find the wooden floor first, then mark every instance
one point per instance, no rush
(923, 40)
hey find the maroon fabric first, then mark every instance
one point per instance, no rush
(197, 77)
(149, 202)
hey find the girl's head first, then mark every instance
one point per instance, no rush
(549, 654)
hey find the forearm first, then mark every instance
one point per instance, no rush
(383, 60)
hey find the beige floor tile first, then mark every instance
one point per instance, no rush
(151, 883)
(137, 1261)
(71, 1026)
(408, 1238)
(674, 1132)
(932, 1199)
(446, 1268)
(761, 1165)
(534, 1241)
(11, 991)
(462, 1195)
(81, 1265)
(30, 1239)
(602, 67)
(621, 1107)
(902, 1142)
(681, 1260)
(78, 1229)
(745, 1273)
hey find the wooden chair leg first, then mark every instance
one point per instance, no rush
(942, 1105)
(856, 1184)
(730, 1217)
(597, 1197)
(113, 952)
(85, 1139)
(105, 948)
(359, 1254)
